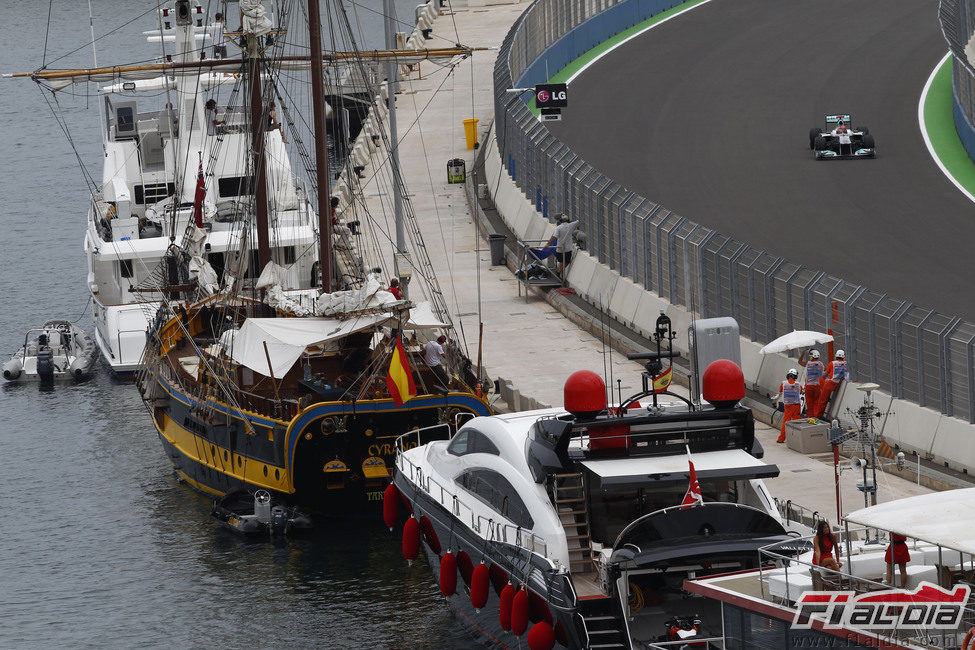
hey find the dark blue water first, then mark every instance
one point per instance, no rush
(99, 545)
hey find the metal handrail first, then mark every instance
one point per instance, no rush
(712, 504)
(453, 502)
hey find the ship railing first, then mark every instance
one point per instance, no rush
(858, 574)
(711, 641)
(797, 513)
(487, 527)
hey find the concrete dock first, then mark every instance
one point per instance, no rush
(529, 343)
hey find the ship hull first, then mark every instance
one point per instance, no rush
(330, 458)
(484, 624)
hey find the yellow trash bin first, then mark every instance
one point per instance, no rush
(470, 132)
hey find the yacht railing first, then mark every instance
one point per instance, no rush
(487, 527)
(794, 512)
(846, 579)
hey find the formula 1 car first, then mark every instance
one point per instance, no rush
(840, 140)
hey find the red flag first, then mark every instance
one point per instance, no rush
(693, 496)
(399, 379)
(201, 194)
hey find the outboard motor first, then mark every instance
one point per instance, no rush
(12, 369)
(262, 506)
(279, 521)
(45, 363)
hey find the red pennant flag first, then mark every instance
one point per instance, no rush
(201, 194)
(693, 495)
(399, 379)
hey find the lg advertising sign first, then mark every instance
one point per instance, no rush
(551, 96)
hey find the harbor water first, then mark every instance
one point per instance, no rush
(100, 546)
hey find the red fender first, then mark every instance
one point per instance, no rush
(519, 612)
(391, 506)
(480, 583)
(411, 539)
(504, 609)
(448, 574)
(541, 637)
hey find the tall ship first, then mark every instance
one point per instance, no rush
(579, 525)
(276, 357)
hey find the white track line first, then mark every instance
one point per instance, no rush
(924, 130)
(631, 37)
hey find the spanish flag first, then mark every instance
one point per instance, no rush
(399, 380)
(662, 381)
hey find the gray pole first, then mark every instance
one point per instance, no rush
(390, 15)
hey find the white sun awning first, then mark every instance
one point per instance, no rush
(422, 317)
(287, 339)
(943, 518)
(730, 464)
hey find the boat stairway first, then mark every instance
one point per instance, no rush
(569, 497)
(604, 623)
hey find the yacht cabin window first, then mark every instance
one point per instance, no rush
(494, 489)
(125, 268)
(471, 441)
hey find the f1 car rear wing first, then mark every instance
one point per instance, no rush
(845, 118)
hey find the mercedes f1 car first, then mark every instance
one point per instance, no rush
(840, 140)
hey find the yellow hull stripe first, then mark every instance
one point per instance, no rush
(221, 460)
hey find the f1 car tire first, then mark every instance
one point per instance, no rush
(863, 130)
(812, 137)
(819, 143)
(868, 142)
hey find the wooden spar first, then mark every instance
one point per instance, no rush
(270, 369)
(321, 147)
(480, 346)
(257, 150)
(333, 57)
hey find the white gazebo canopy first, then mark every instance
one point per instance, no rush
(943, 518)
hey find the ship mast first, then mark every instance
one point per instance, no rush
(321, 146)
(257, 149)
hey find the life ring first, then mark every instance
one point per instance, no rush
(969, 638)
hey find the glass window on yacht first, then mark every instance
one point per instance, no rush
(614, 507)
(289, 254)
(125, 268)
(229, 186)
(494, 489)
(471, 441)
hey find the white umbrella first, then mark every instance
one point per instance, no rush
(794, 340)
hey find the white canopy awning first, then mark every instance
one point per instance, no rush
(943, 518)
(733, 464)
(287, 339)
(422, 317)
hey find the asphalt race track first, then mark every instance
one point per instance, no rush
(709, 115)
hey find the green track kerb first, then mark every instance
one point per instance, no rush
(940, 123)
(573, 67)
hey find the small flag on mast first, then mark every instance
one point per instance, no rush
(662, 381)
(200, 197)
(693, 495)
(399, 380)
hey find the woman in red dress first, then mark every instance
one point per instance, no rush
(898, 554)
(823, 544)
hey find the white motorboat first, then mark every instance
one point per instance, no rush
(57, 350)
(576, 515)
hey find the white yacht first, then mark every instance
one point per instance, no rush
(580, 516)
(158, 136)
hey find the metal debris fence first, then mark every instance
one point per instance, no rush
(911, 352)
(958, 25)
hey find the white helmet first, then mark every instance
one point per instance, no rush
(792, 373)
(840, 354)
(814, 354)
